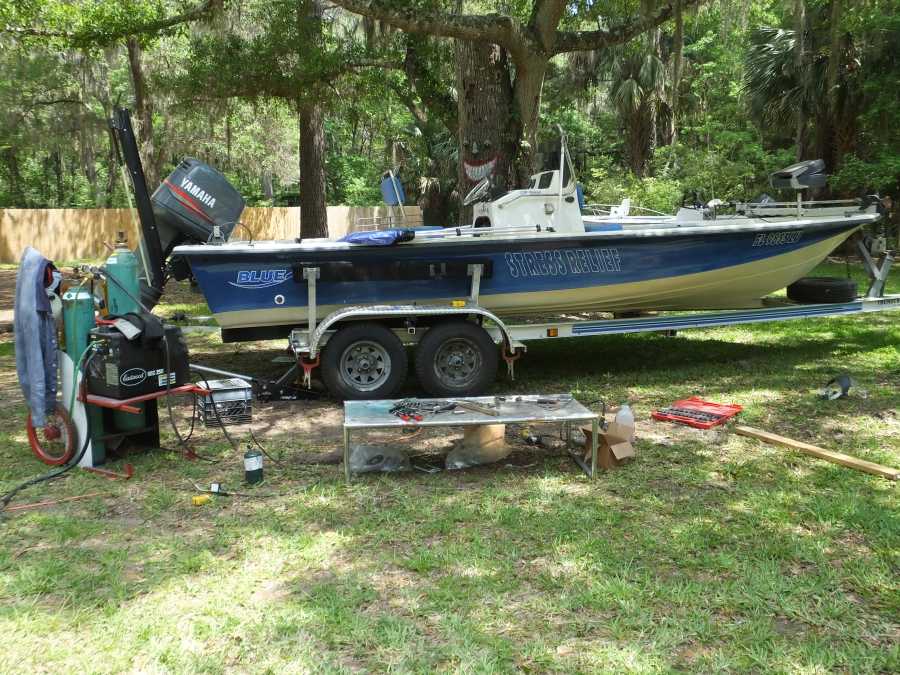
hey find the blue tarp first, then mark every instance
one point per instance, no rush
(379, 237)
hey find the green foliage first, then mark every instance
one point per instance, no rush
(857, 176)
(224, 88)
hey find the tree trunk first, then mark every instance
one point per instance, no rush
(799, 61)
(313, 213)
(112, 164)
(526, 120)
(677, 65)
(143, 108)
(16, 193)
(487, 134)
(58, 173)
(267, 188)
(639, 136)
(838, 123)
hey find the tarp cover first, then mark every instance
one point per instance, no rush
(379, 237)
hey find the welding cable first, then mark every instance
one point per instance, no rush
(225, 433)
(72, 463)
(263, 450)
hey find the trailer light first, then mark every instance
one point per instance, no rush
(553, 332)
(458, 303)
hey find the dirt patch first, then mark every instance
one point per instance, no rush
(7, 289)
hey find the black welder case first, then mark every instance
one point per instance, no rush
(125, 368)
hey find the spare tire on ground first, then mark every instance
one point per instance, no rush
(822, 290)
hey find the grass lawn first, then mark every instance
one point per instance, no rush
(711, 552)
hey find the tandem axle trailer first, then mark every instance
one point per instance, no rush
(454, 345)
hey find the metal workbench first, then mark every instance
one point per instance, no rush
(361, 415)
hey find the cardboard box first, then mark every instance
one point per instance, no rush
(614, 446)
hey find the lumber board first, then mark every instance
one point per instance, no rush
(821, 453)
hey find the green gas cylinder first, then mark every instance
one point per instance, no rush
(78, 320)
(121, 298)
(123, 266)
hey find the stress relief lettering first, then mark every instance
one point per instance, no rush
(562, 262)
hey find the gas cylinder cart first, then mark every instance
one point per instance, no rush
(474, 411)
(114, 367)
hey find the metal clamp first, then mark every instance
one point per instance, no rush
(308, 366)
(511, 356)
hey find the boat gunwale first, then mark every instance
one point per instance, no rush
(269, 246)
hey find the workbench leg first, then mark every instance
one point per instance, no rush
(347, 454)
(595, 431)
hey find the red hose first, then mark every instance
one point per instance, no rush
(54, 444)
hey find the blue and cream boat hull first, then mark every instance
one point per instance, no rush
(259, 289)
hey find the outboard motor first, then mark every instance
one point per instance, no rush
(188, 207)
(189, 204)
(800, 176)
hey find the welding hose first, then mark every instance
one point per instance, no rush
(72, 463)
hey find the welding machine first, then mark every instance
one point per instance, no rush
(136, 355)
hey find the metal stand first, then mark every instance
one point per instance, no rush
(360, 415)
(877, 273)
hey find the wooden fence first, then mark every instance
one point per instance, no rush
(74, 234)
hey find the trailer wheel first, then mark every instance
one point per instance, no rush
(54, 444)
(456, 358)
(364, 361)
(822, 290)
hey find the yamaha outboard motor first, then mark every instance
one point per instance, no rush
(187, 207)
(189, 204)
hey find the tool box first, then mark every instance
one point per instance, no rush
(697, 413)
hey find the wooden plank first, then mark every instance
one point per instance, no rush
(821, 453)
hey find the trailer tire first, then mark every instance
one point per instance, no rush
(364, 361)
(456, 358)
(822, 290)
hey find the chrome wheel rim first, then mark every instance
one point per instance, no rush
(365, 365)
(457, 362)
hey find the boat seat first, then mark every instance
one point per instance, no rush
(808, 174)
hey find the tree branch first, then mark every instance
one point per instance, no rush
(545, 18)
(494, 28)
(573, 41)
(95, 36)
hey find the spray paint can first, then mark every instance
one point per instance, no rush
(253, 466)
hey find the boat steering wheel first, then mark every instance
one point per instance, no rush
(479, 192)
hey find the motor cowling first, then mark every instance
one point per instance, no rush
(192, 200)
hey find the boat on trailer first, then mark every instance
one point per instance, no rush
(538, 255)
(351, 307)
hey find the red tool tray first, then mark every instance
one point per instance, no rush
(696, 412)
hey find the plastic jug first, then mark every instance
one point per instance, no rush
(625, 417)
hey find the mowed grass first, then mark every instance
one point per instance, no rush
(711, 552)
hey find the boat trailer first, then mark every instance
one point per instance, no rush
(410, 322)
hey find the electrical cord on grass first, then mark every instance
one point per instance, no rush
(72, 463)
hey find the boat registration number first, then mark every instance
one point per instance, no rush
(562, 262)
(777, 238)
